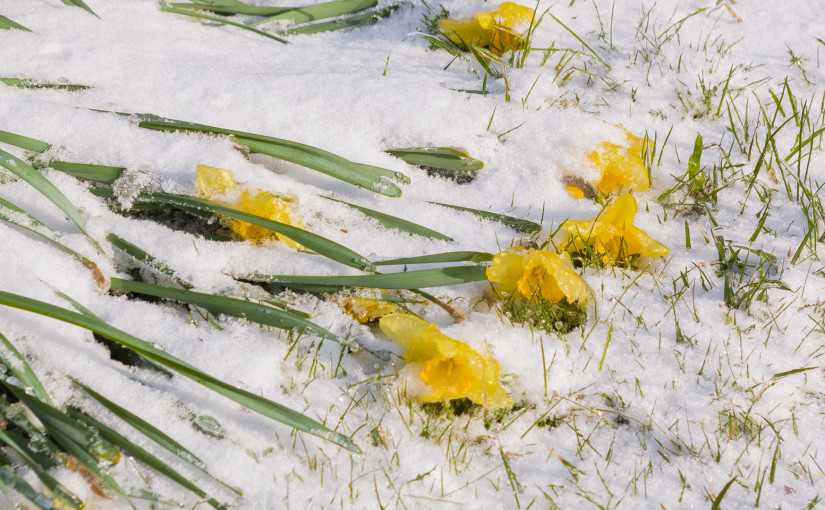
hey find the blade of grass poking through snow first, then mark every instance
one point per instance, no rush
(96, 173)
(76, 439)
(517, 224)
(24, 142)
(393, 222)
(354, 21)
(144, 427)
(222, 21)
(438, 258)
(253, 312)
(81, 4)
(249, 400)
(7, 24)
(61, 497)
(314, 242)
(592, 51)
(142, 455)
(230, 9)
(368, 177)
(21, 369)
(25, 171)
(8, 219)
(405, 280)
(33, 84)
(320, 11)
(140, 255)
(441, 161)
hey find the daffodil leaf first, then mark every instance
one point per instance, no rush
(249, 400)
(22, 370)
(97, 173)
(10, 479)
(140, 454)
(81, 4)
(441, 161)
(24, 142)
(7, 24)
(253, 312)
(319, 11)
(329, 26)
(517, 224)
(404, 280)
(34, 84)
(229, 9)
(368, 177)
(393, 222)
(222, 21)
(436, 258)
(25, 171)
(321, 245)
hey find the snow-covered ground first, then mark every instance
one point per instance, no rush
(664, 396)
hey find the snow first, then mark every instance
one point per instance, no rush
(643, 419)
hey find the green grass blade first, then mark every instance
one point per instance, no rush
(321, 11)
(314, 242)
(98, 276)
(253, 402)
(96, 173)
(25, 171)
(81, 4)
(140, 255)
(441, 161)
(368, 177)
(24, 142)
(404, 280)
(7, 24)
(437, 258)
(10, 480)
(22, 370)
(142, 455)
(393, 222)
(252, 10)
(223, 21)
(60, 495)
(145, 428)
(329, 26)
(253, 312)
(33, 84)
(517, 224)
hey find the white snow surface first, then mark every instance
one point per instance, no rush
(643, 419)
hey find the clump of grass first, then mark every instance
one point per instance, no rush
(560, 317)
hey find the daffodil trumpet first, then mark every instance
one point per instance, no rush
(500, 30)
(448, 368)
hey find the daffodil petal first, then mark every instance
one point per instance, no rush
(214, 181)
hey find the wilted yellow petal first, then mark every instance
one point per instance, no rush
(450, 369)
(536, 275)
(364, 309)
(500, 30)
(612, 235)
(621, 165)
(214, 181)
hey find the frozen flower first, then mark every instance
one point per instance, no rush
(621, 165)
(611, 236)
(449, 368)
(537, 275)
(214, 183)
(364, 309)
(500, 30)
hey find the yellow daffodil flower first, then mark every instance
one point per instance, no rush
(364, 309)
(500, 30)
(612, 235)
(216, 182)
(537, 275)
(449, 368)
(621, 165)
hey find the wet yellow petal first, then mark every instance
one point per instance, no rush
(364, 309)
(621, 165)
(214, 181)
(501, 30)
(536, 275)
(574, 192)
(612, 234)
(450, 369)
